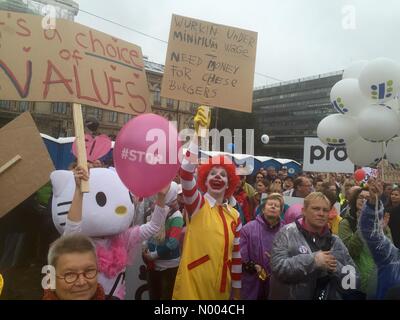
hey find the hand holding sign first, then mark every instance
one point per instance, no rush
(202, 120)
(375, 187)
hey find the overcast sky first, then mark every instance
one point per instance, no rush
(296, 38)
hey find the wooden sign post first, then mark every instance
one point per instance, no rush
(80, 142)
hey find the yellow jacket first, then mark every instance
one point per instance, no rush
(334, 221)
(204, 270)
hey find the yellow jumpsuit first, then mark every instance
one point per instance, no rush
(204, 270)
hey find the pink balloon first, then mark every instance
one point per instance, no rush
(293, 212)
(146, 154)
(95, 147)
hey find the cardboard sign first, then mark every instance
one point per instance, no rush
(21, 138)
(210, 64)
(71, 63)
(388, 173)
(319, 157)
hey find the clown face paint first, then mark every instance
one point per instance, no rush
(217, 180)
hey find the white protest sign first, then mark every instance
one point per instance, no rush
(322, 158)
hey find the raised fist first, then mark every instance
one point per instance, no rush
(202, 119)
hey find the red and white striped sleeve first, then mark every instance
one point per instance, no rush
(192, 197)
(236, 269)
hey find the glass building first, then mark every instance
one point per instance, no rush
(289, 111)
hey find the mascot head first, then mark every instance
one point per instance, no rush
(107, 209)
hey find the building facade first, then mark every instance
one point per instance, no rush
(65, 9)
(289, 111)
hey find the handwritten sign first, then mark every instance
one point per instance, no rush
(21, 138)
(388, 173)
(71, 63)
(210, 64)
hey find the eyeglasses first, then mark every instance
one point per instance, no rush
(363, 197)
(71, 277)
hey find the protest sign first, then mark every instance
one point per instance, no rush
(71, 63)
(21, 139)
(388, 173)
(319, 157)
(210, 64)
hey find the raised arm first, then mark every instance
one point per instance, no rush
(74, 218)
(157, 218)
(382, 249)
(191, 195)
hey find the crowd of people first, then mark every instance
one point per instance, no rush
(213, 234)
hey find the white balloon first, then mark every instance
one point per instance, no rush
(365, 153)
(393, 151)
(380, 80)
(353, 71)
(378, 123)
(347, 98)
(264, 138)
(337, 130)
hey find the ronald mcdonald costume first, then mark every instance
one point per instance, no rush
(210, 262)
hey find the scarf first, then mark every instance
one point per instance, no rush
(114, 259)
(98, 295)
(322, 241)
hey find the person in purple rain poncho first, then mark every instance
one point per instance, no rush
(255, 246)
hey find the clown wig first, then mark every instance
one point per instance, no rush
(218, 161)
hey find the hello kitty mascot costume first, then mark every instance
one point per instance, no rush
(105, 214)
